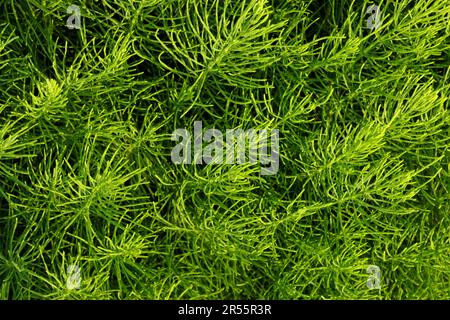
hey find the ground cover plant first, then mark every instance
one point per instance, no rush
(87, 185)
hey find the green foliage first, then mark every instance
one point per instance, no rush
(86, 179)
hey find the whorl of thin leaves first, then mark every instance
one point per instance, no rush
(91, 206)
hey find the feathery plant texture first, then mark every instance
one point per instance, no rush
(86, 179)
